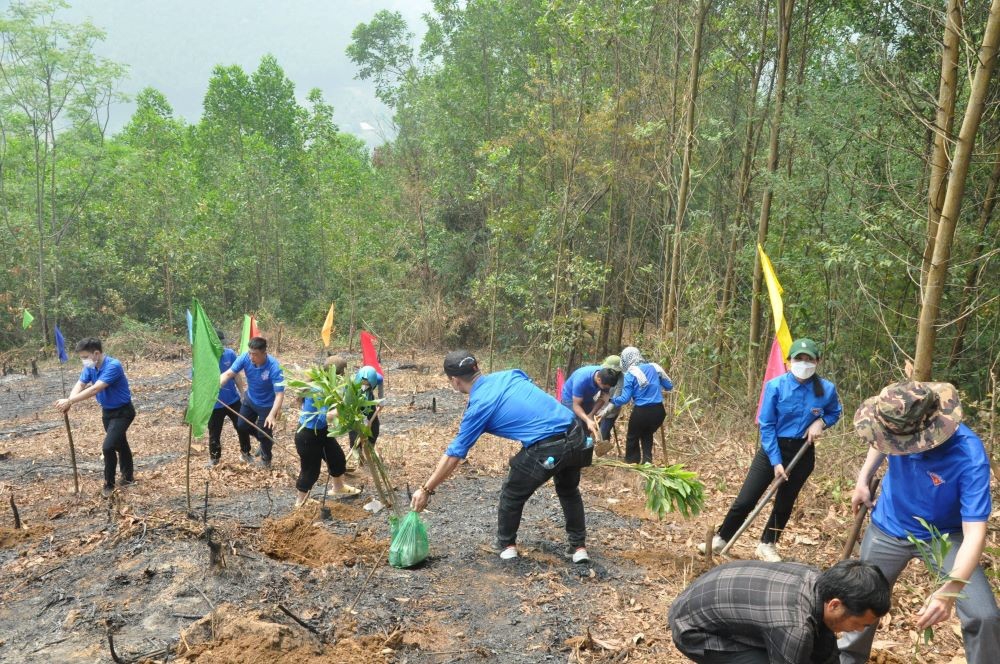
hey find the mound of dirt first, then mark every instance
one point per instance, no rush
(9, 537)
(227, 636)
(301, 537)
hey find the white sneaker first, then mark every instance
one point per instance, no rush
(718, 544)
(509, 553)
(580, 555)
(768, 553)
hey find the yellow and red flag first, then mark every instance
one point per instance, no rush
(327, 327)
(783, 337)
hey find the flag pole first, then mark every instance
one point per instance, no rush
(187, 471)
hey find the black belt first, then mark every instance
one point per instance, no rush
(559, 436)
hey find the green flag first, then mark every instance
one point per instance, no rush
(206, 351)
(26, 320)
(245, 334)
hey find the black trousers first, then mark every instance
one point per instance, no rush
(313, 446)
(759, 477)
(115, 448)
(351, 436)
(756, 656)
(642, 425)
(527, 474)
(215, 423)
(257, 415)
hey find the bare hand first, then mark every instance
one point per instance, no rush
(270, 421)
(419, 500)
(64, 405)
(779, 472)
(935, 609)
(595, 431)
(862, 495)
(814, 430)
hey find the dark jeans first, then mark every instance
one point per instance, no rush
(313, 446)
(643, 423)
(257, 415)
(215, 423)
(527, 474)
(759, 477)
(607, 424)
(351, 436)
(754, 656)
(115, 448)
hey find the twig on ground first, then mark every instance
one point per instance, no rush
(301, 622)
(378, 563)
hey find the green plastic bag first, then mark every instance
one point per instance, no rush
(409, 541)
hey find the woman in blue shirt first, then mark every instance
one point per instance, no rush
(796, 407)
(644, 382)
(314, 443)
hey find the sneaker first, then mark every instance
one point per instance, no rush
(212, 463)
(509, 553)
(124, 482)
(245, 456)
(718, 544)
(768, 553)
(264, 463)
(108, 490)
(580, 555)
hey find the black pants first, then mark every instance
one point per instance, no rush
(215, 423)
(642, 425)
(607, 424)
(759, 477)
(257, 415)
(115, 448)
(527, 474)
(313, 445)
(351, 436)
(756, 656)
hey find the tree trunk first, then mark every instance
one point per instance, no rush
(950, 210)
(943, 124)
(673, 296)
(665, 304)
(785, 12)
(972, 276)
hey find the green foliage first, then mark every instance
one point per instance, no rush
(933, 553)
(667, 488)
(339, 395)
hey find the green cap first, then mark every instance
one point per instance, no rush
(804, 347)
(612, 362)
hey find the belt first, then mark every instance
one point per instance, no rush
(559, 436)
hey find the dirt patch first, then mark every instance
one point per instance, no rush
(301, 537)
(10, 538)
(227, 636)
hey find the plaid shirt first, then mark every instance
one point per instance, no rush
(755, 605)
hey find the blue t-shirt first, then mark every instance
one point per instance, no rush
(644, 396)
(944, 486)
(507, 404)
(581, 385)
(117, 393)
(790, 407)
(263, 382)
(310, 417)
(228, 392)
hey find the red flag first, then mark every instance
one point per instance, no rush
(254, 332)
(560, 381)
(775, 367)
(368, 354)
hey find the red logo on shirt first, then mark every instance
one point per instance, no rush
(935, 478)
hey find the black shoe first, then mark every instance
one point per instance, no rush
(127, 482)
(107, 491)
(264, 463)
(245, 456)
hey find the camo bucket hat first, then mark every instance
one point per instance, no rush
(909, 417)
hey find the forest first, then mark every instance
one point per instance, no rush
(561, 179)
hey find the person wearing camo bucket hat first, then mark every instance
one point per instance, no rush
(938, 471)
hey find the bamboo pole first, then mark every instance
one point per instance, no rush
(72, 455)
(187, 471)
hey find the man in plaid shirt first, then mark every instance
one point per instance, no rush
(780, 613)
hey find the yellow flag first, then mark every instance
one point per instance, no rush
(774, 291)
(328, 327)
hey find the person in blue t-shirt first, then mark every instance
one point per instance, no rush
(263, 398)
(586, 391)
(644, 384)
(796, 408)
(227, 405)
(104, 378)
(314, 444)
(938, 471)
(508, 405)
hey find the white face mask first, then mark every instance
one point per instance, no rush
(88, 363)
(803, 370)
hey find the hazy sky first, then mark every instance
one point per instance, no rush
(172, 46)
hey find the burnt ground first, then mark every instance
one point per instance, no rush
(137, 566)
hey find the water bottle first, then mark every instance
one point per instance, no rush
(549, 463)
(589, 443)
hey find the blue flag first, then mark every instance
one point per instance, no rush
(61, 346)
(190, 320)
